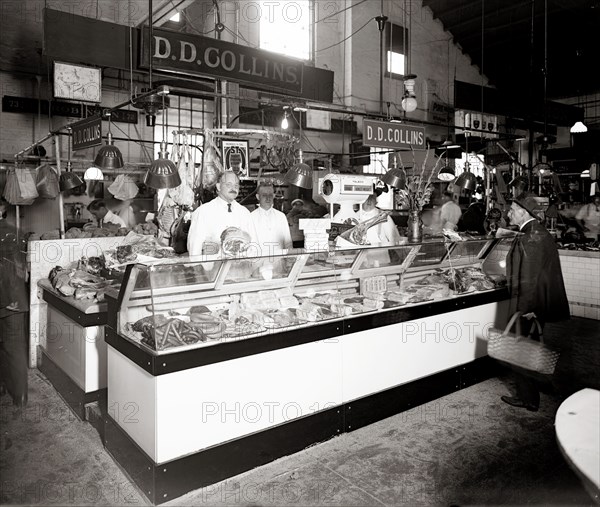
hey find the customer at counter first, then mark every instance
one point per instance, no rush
(14, 306)
(211, 219)
(472, 220)
(588, 217)
(536, 287)
(271, 225)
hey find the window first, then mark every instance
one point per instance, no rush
(396, 37)
(285, 27)
(379, 162)
(184, 113)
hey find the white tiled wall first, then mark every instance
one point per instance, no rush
(582, 282)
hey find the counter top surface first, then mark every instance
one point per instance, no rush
(86, 306)
(577, 421)
(578, 253)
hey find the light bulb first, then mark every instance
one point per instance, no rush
(93, 174)
(409, 104)
(284, 123)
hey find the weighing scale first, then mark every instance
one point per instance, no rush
(347, 190)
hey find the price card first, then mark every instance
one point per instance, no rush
(373, 284)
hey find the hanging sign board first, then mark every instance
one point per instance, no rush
(383, 134)
(204, 56)
(87, 133)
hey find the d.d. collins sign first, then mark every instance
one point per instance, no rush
(193, 54)
(384, 134)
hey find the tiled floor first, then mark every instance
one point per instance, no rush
(463, 449)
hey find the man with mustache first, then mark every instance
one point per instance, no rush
(211, 219)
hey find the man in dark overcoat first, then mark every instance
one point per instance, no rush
(536, 286)
(14, 308)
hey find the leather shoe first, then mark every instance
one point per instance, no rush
(516, 402)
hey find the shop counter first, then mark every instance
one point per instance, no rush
(42, 257)
(73, 356)
(370, 333)
(577, 422)
(581, 273)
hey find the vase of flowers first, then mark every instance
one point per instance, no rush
(415, 195)
(415, 227)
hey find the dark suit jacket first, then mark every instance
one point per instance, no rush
(534, 275)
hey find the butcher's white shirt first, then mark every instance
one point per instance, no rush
(272, 230)
(210, 220)
(112, 218)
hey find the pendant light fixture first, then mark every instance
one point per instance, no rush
(579, 127)
(467, 179)
(520, 183)
(68, 180)
(446, 173)
(409, 101)
(109, 156)
(93, 174)
(163, 172)
(284, 122)
(395, 176)
(300, 174)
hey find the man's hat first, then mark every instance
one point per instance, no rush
(528, 202)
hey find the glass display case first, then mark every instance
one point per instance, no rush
(174, 305)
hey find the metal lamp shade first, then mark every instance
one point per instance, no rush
(520, 184)
(69, 181)
(466, 180)
(300, 175)
(446, 174)
(395, 177)
(109, 157)
(162, 174)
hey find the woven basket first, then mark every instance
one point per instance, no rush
(520, 350)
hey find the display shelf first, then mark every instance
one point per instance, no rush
(181, 305)
(73, 356)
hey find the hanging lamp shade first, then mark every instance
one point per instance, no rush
(578, 128)
(109, 156)
(395, 177)
(68, 181)
(520, 183)
(162, 173)
(300, 174)
(449, 145)
(446, 173)
(93, 174)
(466, 180)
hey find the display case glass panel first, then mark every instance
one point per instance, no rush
(169, 306)
(468, 250)
(430, 253)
